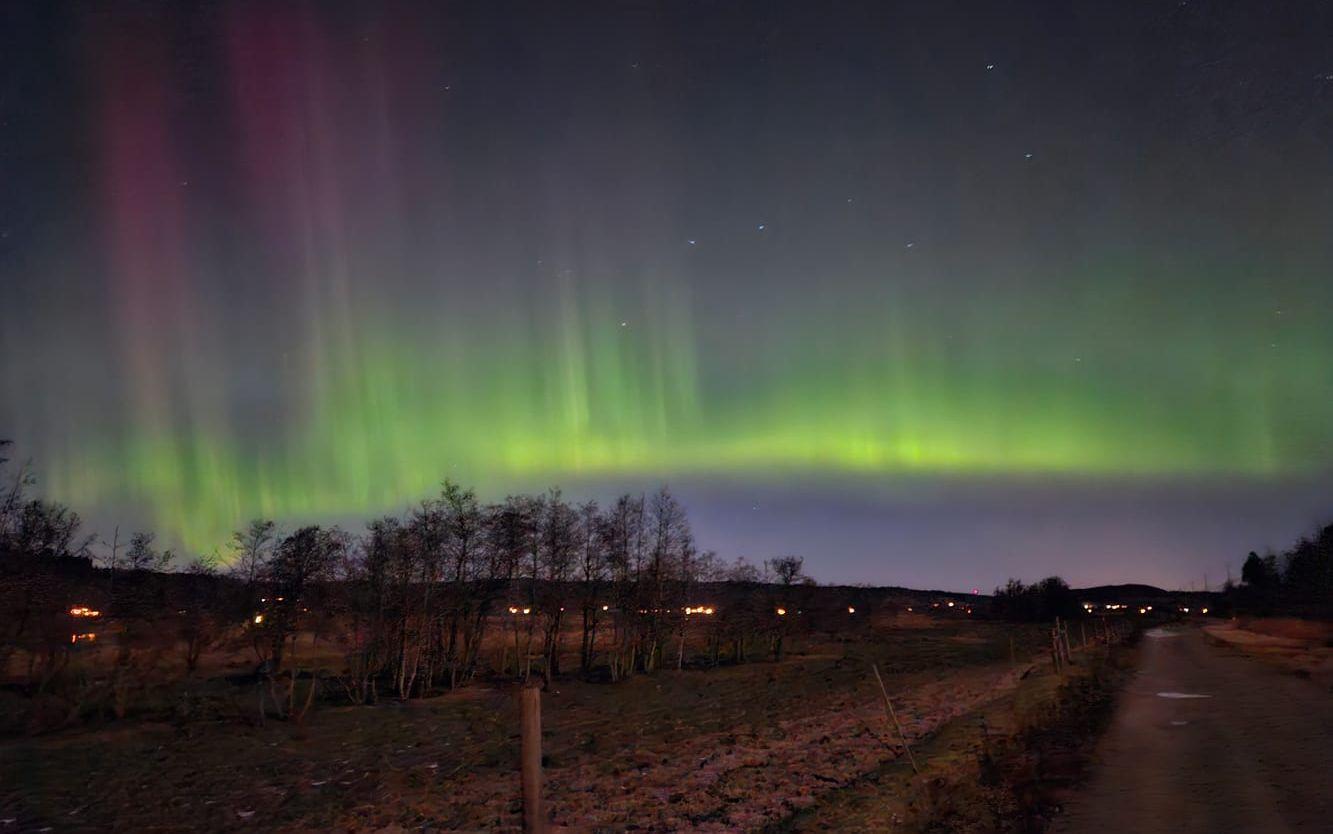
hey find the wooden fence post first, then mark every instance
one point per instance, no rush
(888, 707)
(1061, 642)
(530, 718)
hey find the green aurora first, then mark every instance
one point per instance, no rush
(581, 385)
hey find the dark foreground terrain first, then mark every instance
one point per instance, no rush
(727, 749)
(1207, 739)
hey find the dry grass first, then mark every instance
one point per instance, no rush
(1310, 631)
(725, 749)
(1300, 647)
(1004, 767)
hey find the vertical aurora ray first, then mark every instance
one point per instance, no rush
(577, 394)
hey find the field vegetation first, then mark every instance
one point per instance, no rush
(316, 678)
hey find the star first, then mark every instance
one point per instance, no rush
(990, 66)
(911, 244)
(624, 324)
(761, 227)
(1027, 156)
(691, 242)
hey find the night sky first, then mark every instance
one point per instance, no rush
(931, 293)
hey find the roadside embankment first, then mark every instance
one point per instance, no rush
(1008, 765)
(1301, 647)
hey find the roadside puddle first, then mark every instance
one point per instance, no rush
(1159, 633)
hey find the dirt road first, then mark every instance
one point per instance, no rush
(1207, 740)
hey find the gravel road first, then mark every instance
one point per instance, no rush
(1208, 740)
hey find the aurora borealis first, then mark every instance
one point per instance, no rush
(305, 260)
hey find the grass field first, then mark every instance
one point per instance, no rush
(1008, 765)
(1301, 647)
(733, 748)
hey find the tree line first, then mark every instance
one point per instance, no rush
(420, 602)
(1297, 580)
(1041, 601)
(419, 597)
